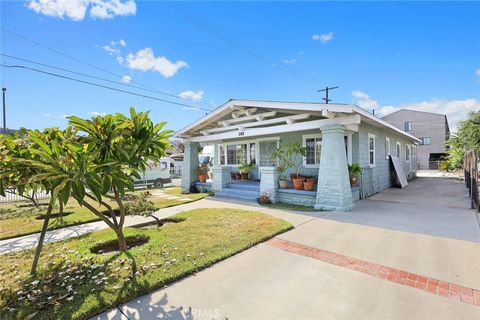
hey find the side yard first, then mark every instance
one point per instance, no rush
(82, 276)
(21, 218)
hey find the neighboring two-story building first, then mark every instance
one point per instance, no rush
(432, 130)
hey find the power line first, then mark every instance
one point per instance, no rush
(240, 45)
(86, 63)
(103, 86)
(88, 75)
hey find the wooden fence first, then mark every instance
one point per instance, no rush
(470, 168)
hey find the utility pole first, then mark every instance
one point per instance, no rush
(4, 113)
(326, 93)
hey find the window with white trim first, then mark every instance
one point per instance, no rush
(407, 152)
(371, 149)
(313, 145)
(235, 153)
(387, 147)
(399, 147)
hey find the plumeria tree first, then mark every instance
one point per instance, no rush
(92, 160)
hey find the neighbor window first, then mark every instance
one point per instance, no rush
(407, 152)
(313, 146)
(425, 141)
(398, 150)
(387, 147)
(408, 125)
(371, 149)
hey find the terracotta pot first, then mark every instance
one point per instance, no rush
(202, 177)
(298, 183)
(294, 176)
(238, 176)
(283, 184)
(308, 185)
(244, 176)
(353, 181)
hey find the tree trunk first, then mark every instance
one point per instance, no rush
(60, 209)
(159, 222)
(42, 238)
(122, 244)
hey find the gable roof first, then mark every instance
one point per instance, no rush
(314, 108)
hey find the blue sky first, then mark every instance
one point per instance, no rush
(423, 56)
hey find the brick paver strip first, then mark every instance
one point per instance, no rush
(424, 283)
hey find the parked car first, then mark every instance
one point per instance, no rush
(156, 175)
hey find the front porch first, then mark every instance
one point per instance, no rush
(250, 191)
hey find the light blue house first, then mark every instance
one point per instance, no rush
(334, 136)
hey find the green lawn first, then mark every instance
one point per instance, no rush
(74, 283)
(20, 218)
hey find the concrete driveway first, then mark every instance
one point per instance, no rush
(432, 206)
(327, 268)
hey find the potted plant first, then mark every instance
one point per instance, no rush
(308, 184)
(354, 171)
(282, 179)
(201, 171)
(245, 169)
(288, 156)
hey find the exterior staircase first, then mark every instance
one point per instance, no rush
(244, 190)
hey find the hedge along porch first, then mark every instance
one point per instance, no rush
(335, 135)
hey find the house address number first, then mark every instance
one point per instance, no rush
(241, 133)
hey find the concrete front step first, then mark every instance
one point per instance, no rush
(246, 187)
(231, 193)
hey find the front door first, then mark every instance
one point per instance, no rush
(266, 148)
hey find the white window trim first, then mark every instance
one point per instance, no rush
(398, 147)
(370, 135)
(408, 150)
(247, 142)
(304, 141)
(387, 148)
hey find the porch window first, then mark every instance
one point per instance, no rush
(398, 150)
(253, 156)
(221, 153)
(371, 150)
(236, 154)
(407, 152)
(313, 145)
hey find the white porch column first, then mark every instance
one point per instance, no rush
(269, 183)
(190, 162)
(221, 177)
(333, 192)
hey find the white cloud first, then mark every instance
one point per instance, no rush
(96, 113)
(122, 42)
(323, 38)
(111, 50)
(363, 100)
(192, 95)
(477, 72)
(108, 9)
(455, 110)
(74, 10)
(126, 79)
(145, 60)
(77, 9)
(290, 61)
